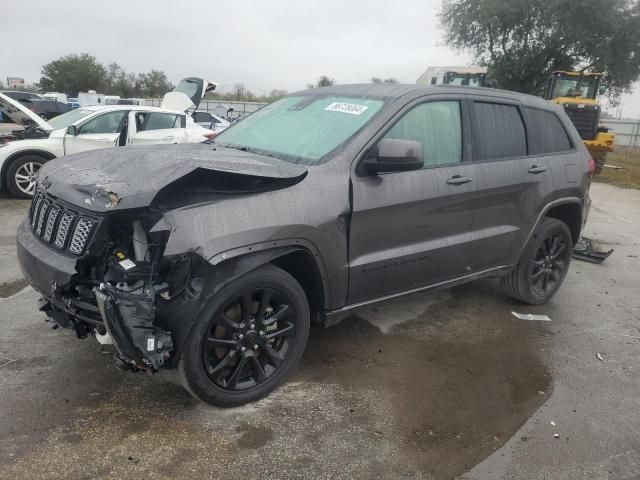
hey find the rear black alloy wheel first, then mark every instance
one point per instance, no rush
(543, 264)
(248, 339)
(549, 264)
(251, 338)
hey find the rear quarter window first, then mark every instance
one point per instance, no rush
(546, 133)
(499, 130)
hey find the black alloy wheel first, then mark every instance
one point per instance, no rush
(249, 338)
(549, 264)
(543, 264)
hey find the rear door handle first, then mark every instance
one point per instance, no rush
(536, 169)
(458, 180)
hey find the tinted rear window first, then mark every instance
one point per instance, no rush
(500, 131)
(546, 133)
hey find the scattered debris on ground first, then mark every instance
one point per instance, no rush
(530, 316)
(600, 357)
(590, 251)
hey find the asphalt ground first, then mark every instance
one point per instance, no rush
(448, 385)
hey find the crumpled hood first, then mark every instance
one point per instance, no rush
(131, 177)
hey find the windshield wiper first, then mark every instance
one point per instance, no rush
(243, 148)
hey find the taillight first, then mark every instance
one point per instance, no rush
(592, 167)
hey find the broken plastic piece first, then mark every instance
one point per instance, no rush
(530, 316)
(584, 250)
(600, 357)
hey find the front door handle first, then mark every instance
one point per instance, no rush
(458, 180)
(536, 169)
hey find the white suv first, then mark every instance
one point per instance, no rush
(90, 128)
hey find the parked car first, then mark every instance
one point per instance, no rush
(73, 103)
(130, 101)
(210, 121)
(17, 95)
(45, 109)
(20, 95)
(81, 129)
(55, 97)
(215, 259)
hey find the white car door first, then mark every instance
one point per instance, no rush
(102, 131)
(152, 128)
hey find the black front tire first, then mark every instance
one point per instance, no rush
(229, 359)
(543, 265)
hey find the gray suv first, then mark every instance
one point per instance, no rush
(216, 259)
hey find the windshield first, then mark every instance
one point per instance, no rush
(66, 119)
(301, 129)
(584, 87)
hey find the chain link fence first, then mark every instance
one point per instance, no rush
(219, 107)
(627, 131)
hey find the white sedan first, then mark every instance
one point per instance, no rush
(88, 128)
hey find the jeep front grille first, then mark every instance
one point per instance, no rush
(59, 226)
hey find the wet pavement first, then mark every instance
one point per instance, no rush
(429, 386)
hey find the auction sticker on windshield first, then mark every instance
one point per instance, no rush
(351, 108)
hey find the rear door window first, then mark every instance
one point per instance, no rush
(499, 130)
(146, 121)
(202, 117)
(547, 135)
(438, 128)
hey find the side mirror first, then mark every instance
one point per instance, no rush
(72, 130)
(395, 155)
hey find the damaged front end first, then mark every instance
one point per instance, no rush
(105, 274)
(109, 244)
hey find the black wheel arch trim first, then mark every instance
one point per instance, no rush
(224, 268)
(545, 210)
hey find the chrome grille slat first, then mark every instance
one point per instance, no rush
(62, 227)
(51, 221)
(80, 235)
(34, 213)
(44, 208)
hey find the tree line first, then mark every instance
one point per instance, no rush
(82, 72)
(523, 41)
(76, 73)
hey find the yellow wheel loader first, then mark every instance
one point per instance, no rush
(578, 93)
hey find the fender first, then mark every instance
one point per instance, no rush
(545, 210)
(214, 274)
(29, 151)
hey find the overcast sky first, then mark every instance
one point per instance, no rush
(264, 44)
